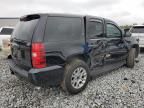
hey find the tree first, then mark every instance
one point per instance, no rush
(125, 26)
(135, 24)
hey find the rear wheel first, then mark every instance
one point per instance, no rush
(130, 62)
(76, 76)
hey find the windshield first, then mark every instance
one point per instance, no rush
(24, 30)
(138, 29)
(6, 31)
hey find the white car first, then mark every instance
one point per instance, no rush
(137, 31)
(5, 34)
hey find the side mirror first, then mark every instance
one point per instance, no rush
(126, 33)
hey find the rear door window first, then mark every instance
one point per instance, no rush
(95, 29)
(24, 30)
(62, 29)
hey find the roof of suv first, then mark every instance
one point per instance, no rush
(68, 15)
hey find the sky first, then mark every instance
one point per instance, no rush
(121, 11)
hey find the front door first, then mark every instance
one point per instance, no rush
(116, 50)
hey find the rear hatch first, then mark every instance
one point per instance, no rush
(21, 41)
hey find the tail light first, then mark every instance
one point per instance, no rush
(38, 55)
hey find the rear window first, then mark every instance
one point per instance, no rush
(24, 30)
(138, 29)
(6, 31)
(95, 29)
(63, 28)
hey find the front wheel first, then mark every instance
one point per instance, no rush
(76, 76)
(130, 62)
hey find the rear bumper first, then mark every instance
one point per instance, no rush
(51, 76)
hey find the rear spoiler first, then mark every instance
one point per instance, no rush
(30, 17)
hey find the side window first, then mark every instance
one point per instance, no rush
(63, 29)
(112, 31)
(95, 29)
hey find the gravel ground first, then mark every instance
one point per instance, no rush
(122, 88)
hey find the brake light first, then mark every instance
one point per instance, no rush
(38, 55)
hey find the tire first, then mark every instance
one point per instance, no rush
(130, 62)
(70, 83)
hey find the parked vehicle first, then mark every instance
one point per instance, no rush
(68, 50)
(5, 34)
(137, 31)
(129, 37)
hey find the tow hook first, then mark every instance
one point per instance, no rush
(136, 60)
(11, 72)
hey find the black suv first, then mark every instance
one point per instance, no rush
(68, 50)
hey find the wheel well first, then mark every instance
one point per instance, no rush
(137, 49)
(83, 57)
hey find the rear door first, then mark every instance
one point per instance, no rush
(96, 41)
(116, 50)
(21, 41)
